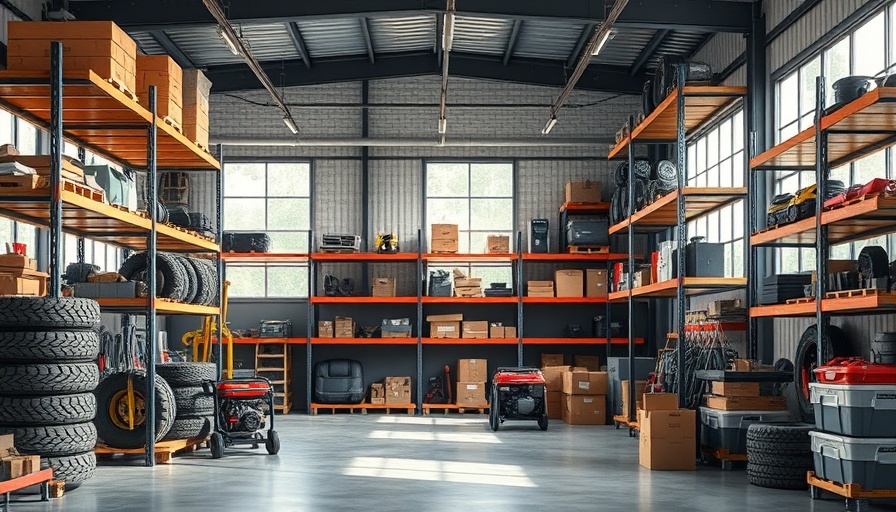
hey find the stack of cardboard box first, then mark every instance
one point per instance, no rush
(471, 377)
(569, 283)
(162, 72)
(19, 276)
(197, 89)
(640, 385)
(590, 363)
(499, 330)
(540, 288)
(743, 396)
(397, 390)
(668, 435)
(15, 465)
(382, 287)
(585, 397)
(444, 326)
(343, 327)
(552, 369)
(444, 238)
(474, 329)
(466, 286)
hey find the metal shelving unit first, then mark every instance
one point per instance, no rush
(105, 120)
(681, 115)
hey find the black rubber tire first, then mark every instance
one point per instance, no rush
(78, 272)
(272, 443)
(806, 360)
(212, 280)
(56, 346)
(48, 379)
(781, 442)
(494, 413)
(203, 291)
(621, 175)
(793, 213)
(71, 469)
(54, 440)
(216, 444)
(190, 428)
(186, 374)
(771, 220)
(192, 280)
(780, 460)
(47, 410)
(173, 284)
(42, 313)
(118, 437)
(873, 262)
(193, 401)
(776, 477)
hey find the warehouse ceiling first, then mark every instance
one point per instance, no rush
(523, 41)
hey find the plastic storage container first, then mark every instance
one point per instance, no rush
(727, 430)
(855, 409)
(869, 462)
(855, 371)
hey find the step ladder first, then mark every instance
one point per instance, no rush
(273, 361)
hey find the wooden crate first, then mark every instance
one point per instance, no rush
(162, 72)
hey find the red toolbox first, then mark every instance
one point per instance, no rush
(855, 370)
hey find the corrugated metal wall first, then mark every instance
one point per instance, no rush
(395, 199)
(808, 29)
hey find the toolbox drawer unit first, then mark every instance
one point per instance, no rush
(727, 430)
(868, 462)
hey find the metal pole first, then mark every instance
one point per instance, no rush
(519, 294)
(419, 319)
(311, 317)
(219, 263)
(682, 228)
(754, 129)
(56, 169)
(630, 277)
(822, 320)
(151, 247)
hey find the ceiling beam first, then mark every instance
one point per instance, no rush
(172, 49)
(704, 15)
(587, 31)
(649, 50)
(296, 35)
(615, 79)
(365, 29)
(514, 34)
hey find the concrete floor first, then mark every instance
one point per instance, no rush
(397, 463)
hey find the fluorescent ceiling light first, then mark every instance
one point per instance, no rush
(549, 126)
(291, 125)
(231, 44)
(603, 41)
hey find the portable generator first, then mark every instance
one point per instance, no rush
(518, 394)
(242, 407)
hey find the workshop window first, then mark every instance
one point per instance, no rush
(25, 137)
(274, 198)
(716, 159)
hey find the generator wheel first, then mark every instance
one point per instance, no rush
(543, 422)
(272, 443)
(216, 443)
(494, 419)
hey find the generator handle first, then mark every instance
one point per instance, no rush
(517, 369)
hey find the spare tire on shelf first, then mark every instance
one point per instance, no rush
(836, 345)
(192, 281)
(173, 282)
(112, 420)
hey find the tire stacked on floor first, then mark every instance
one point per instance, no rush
(180, 278)
(119, 426)
(195, 407)
(779, 455)
(48, 371)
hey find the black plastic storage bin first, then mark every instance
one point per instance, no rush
(338, 381)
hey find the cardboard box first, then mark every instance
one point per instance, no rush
(660, 401)
(510, 332)
(735, 388)
(499, 244)
(196, 90)
(496, 331)
(540, 288)
(445, 318)
(476, 329)
(472, 370)
(382, 287)
(377, 393)
(325, 329)
(162, 72)
(592, 363)
(747, 403)
(23, 285)
(577, 382)
(551, 360)
(105, 277)
(668, 439)
(444, 329)
(626, 398)
(395, 334)
(13, 464)
(642, 278)
(553, 378)
(444, 232)
(583, 192)
(554, 403)
(585, 409)
(443, 245)
(470, 393)
(569, 283)
(344, 327)
(468, 282)
(595, 283)
(397, 390)
(17, 261)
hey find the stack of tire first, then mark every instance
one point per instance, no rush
(181, 278)
(195, 407)
(779, 455)
(48, 370)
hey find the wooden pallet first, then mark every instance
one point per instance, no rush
(588, 249)
(848, 491)
(869, 292)
(724, 456)
(83, 191)
(124, 89)
(164, 450)
(801, 300)
(462, 409)
(351, 408)
(174, 124)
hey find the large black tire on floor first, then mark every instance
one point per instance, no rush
(191, 282)
(190, 428)
(204, 293)
(173, 284)
(42, 313)
(53, 440)
(55, 346)
(110, 420)
(48, 379)
(47, 410)
(806, 360)
(184, 374)
(779, 454)
(71, 469)
(193, 401)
